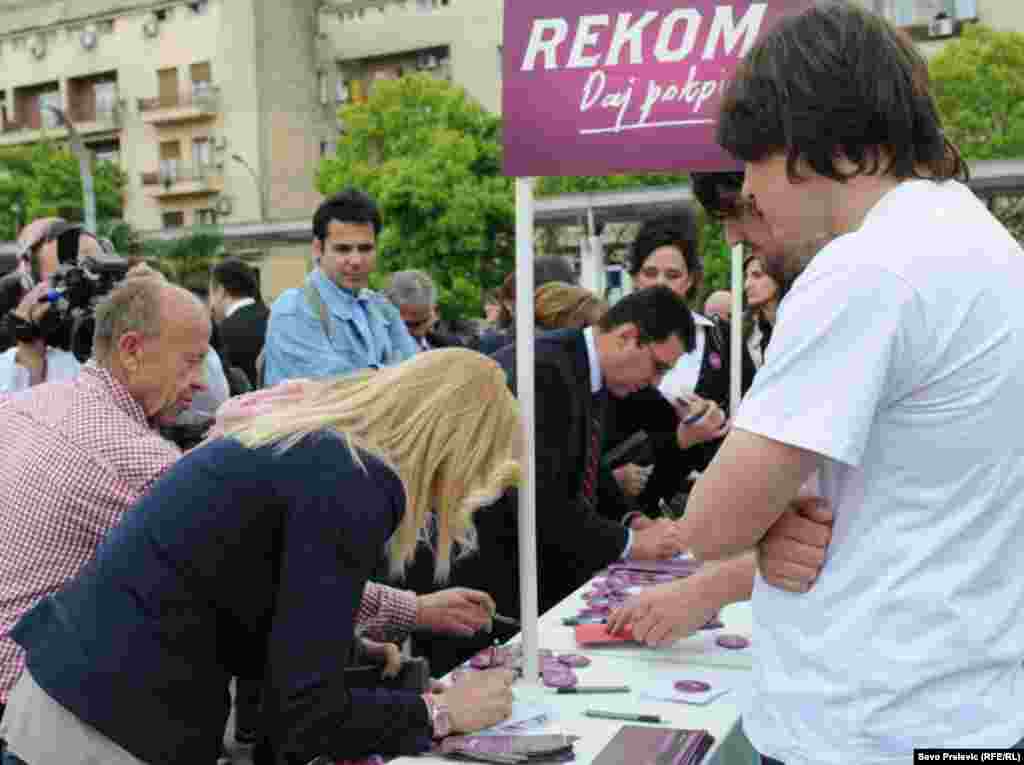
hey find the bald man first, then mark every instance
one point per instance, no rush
(719, 303)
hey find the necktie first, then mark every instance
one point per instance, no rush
(590, 477)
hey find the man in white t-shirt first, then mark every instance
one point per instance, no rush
(895, 371)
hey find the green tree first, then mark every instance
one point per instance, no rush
(43, 180)
(187, 260)
(431, 157)
(978, 82)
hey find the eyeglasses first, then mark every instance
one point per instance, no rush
(344, 248)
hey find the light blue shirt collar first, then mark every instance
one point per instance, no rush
(596, 378)
(337, 298)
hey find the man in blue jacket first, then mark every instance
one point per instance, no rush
(334, 324)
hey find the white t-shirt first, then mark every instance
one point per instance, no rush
(60, 366)
(899, 357)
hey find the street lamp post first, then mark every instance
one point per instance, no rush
(255, 179)
(84, 166)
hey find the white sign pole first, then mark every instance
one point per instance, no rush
(736, 339)
(527, 395)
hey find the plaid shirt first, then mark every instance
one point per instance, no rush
(74, 457)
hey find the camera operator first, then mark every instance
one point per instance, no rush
(37, 334)
(32, 361)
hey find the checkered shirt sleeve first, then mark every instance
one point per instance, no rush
(386, 614)
(73, 458)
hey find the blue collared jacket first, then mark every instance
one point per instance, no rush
(366, 332)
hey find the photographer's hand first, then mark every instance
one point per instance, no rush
(30, 309)
(32, 355)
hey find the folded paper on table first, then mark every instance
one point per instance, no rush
(655, 746)
(590, 635)
(664, 689)
(525, 716)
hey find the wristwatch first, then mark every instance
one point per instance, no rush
(440, 717)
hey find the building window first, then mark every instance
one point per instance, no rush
(105, 95)
(202, 78)
(201, 153)
(47, 101)
(322, 86)
(174, 219)
(170, 157)
(206, 217)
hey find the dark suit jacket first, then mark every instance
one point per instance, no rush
(648, 410)
(441, 340)
(242, 335)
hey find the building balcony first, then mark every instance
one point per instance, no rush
(184, 182)
(104, 120)
(15, 133)
(200, 104)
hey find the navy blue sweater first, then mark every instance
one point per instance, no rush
(238, 562)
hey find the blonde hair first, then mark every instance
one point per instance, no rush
(445, 421)
(559, 305)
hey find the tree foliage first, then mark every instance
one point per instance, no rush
(44, 180)
(431, 157)
(187, 261)
(978, 82)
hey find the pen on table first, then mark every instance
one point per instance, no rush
(595, 689)
(628, 716)
(506, 620)
(695, 417)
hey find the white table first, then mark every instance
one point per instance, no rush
(639, 667)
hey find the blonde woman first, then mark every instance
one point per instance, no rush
(560, 305)
(249, 558)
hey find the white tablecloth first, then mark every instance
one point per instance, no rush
(641, 668)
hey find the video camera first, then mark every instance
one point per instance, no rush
(80, 280)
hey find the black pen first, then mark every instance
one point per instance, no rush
(595, 689)
(506, 620)
(628, 716)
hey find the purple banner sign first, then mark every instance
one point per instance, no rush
(598, 87)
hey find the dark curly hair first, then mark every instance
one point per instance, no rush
(678, 230)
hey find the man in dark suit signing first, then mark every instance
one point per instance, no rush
(579, 508)
(240, 315)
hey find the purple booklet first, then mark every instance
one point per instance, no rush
(510, 749)
(646, 745)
